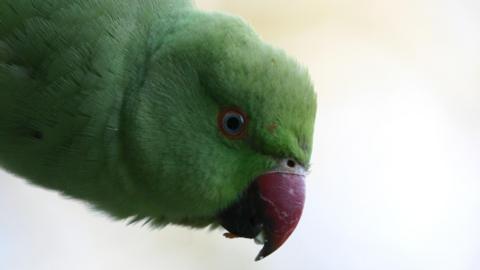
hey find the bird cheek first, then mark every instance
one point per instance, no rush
(271, 128)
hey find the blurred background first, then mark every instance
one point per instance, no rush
(395, 180)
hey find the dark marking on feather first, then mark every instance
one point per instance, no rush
(96, 72)
(49, 45)
(111, 34)
(76, 82)
(12, 8)
(37, 134)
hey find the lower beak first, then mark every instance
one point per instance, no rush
(268, 211)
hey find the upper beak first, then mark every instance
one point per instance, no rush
(269, 210)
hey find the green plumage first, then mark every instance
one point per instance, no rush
(116, 102)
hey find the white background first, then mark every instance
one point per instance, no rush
(395, 180)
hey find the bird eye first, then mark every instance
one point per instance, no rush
(232, 123)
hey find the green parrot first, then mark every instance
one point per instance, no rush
(154, 110)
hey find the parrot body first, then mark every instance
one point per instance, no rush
(121, 103)
(67, 69)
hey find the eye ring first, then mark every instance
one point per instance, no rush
(232, 122)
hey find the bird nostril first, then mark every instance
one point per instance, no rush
(291, 163)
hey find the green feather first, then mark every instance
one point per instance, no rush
(116, 102)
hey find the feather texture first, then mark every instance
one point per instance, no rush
(115, 103)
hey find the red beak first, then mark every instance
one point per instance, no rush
(281, 196)
(271, 206)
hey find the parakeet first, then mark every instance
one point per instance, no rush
(154, 110)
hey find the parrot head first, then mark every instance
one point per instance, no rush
(224, 133)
